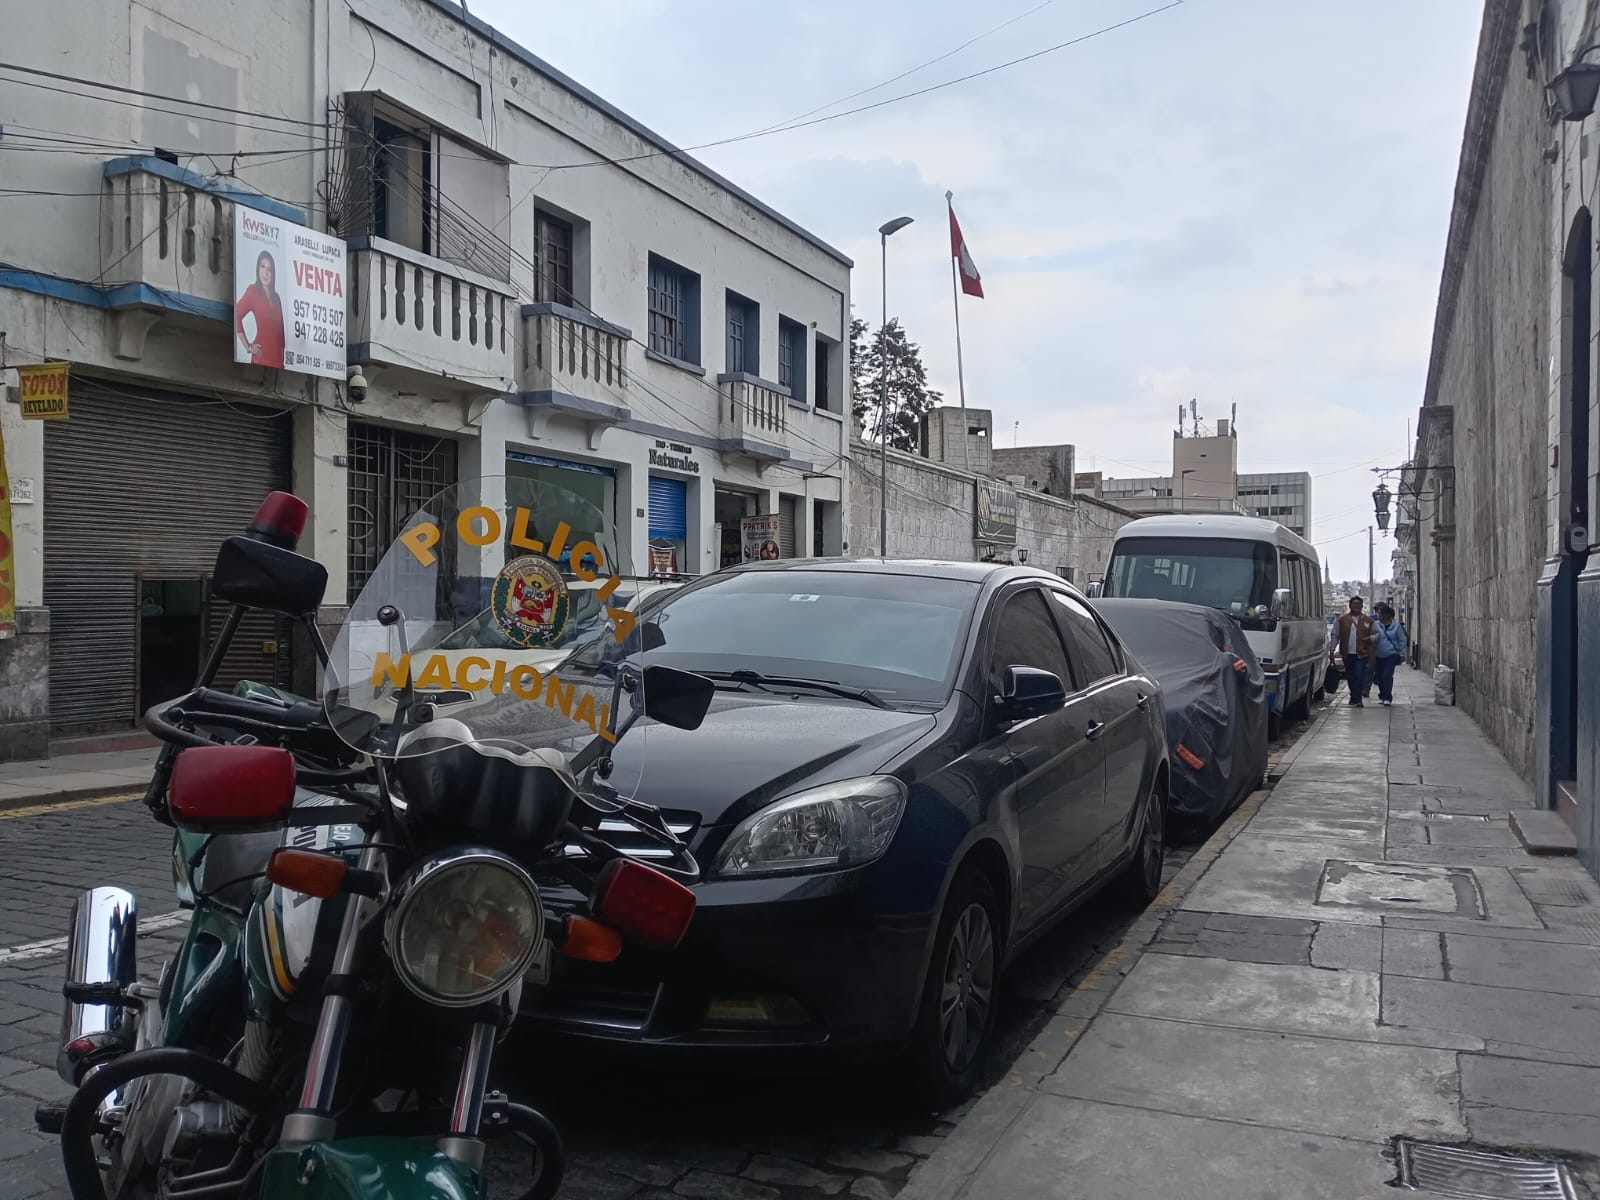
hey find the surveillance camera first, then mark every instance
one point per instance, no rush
(357, 385)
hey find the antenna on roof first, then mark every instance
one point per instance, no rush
(1194, 413)
(1233, 423)
(1180, 420)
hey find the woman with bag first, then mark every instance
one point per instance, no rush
(1389, 648)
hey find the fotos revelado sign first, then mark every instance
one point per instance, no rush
(996, 517)
(43, 391)
(290, 287)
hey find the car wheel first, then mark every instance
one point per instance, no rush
(951, 1041)
(1141, 881)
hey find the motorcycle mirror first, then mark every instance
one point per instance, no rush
(676, 698)
(260, 575)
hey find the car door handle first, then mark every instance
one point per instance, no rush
(1143, 701)
(1095, 729)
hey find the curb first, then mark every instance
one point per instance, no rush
(946, 1173)
(16, 806)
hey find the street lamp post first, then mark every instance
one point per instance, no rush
(884, 231)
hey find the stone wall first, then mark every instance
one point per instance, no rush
(930, 515)
(1489, 364)
(25, 688)
(1047, 469)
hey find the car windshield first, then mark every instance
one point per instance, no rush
(1231, 574)
(899, 636)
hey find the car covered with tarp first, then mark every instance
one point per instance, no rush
(1215, 696)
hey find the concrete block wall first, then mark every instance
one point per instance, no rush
(930, 515)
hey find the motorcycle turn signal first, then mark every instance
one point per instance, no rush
(321, 875)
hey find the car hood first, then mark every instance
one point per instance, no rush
(752, 749)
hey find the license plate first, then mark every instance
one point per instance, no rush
(538, 971)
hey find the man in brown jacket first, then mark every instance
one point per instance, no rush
(1354, 637)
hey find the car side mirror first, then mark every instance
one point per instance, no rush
(1030, 692)
(1281, 599)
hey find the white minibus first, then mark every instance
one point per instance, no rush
(1264, 576)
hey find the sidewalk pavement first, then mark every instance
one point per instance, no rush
(75, 777)
(1367, 955)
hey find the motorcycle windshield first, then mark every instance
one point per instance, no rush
(467, 629)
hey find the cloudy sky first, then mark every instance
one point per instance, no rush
(1239, 201)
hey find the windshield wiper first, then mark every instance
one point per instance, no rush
(779, 682)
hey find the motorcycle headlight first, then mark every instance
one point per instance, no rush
(464, 927)
(832, 827)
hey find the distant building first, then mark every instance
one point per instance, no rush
(1205, 478)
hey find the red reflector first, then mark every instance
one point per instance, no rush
(643, 904)
(1190, 757)
(231, 785)
(281, 519)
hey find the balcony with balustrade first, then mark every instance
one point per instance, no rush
(421, 315)
(166, 246)
(574, 365)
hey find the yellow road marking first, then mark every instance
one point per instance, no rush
(34, 810)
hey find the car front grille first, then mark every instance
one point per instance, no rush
(627, 838)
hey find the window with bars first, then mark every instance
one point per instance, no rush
(553, 245)
(674, 302)
(392, 474)
(744, 335)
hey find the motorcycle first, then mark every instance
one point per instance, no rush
(364, 874)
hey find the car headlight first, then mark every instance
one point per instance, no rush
(465, 927)
(832, 827)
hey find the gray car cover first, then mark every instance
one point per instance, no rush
(1216, 711)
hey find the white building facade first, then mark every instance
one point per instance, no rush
(532, 284)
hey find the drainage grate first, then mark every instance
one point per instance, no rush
(1474, 1175)
(1432, 815)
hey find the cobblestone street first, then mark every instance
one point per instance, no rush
(633, 1133)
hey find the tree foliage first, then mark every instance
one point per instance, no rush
(909, 395)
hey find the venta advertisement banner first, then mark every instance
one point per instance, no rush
(289, 282)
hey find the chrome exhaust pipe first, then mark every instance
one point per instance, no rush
(102, 951)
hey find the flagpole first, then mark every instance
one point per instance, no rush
(961, 382)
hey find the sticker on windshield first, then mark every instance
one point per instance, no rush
(530, 602)
(802, 598)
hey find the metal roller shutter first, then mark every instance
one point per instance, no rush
(669, 508)
(140, 483)
(788, 519)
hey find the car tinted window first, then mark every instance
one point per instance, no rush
(900, 635)
(1096, 656)
(1025, 636)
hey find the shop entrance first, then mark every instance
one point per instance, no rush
(729, 506)
(171, 634)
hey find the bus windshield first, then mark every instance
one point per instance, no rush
(1233, 575)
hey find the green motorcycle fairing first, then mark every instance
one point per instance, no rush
(368, 1167)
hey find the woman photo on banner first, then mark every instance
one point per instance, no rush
(261, 301)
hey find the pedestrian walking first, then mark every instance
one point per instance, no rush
(1389, 651)
(1353, 635)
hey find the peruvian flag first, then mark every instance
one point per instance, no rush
(971, 284)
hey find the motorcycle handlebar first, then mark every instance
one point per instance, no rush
(157, 722)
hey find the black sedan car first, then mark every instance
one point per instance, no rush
(910, 771)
